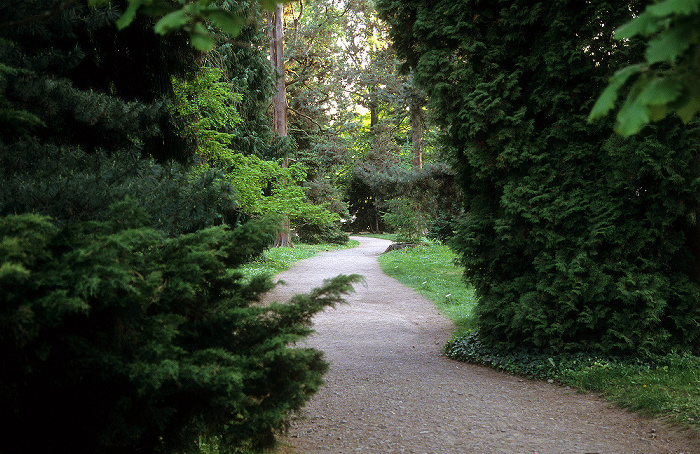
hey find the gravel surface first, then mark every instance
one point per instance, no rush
(390, 390)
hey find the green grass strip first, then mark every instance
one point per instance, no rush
(277, 259)
(431, 270)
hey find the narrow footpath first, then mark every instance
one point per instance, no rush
(390, 390)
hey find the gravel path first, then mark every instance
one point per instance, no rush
(389, 389)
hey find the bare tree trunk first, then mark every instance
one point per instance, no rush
(279, 102)
(417, 134)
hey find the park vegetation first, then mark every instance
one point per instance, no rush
(151, 151)
(575, 238)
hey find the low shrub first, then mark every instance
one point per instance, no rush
(318, 234)
(117, 338)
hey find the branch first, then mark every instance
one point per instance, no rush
(39, 18)
(320, 126)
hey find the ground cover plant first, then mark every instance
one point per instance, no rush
(666, 386)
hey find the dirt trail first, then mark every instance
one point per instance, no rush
(390, 390)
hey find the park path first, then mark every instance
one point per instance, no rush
(390, 390)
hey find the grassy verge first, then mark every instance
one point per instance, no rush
(666, 387)
(431, 270)
(661, 386)
(278, 259)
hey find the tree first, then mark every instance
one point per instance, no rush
(574, 238)
(116, 338)
(279, 102)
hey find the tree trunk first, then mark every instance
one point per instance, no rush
(417, 134)
(279, 102)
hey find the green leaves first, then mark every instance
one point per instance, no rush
(192, 17)
(668, 82)
(117, 327)
(670, 45)
(226, 21)
(607, 99)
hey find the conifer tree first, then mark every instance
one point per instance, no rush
(575, 238)
(125, 325)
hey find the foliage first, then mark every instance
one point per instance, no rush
(190, 17)
(663, 386)
(319, 234)
(115, 338)
(13, 122)
(68, 184)
(431, 269)
(443, 228)
(245, 67)
(574, 239)
(206, 106)
(406, 221)
(377, 180)
(73, 74)
(669, 80)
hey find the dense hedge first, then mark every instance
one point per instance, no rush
(575, 239)
(114, 338)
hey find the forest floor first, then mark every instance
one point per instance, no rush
(390, 390)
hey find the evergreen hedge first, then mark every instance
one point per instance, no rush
(575, 239)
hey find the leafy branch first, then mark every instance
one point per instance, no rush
(189, 16)
(669, 80)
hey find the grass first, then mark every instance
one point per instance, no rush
(277, 259)
(667, 387)
(431, 270)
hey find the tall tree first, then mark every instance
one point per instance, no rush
(279, 102)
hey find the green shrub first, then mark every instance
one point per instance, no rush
(575, 238)
(318, 234)
(443, 228)
(405, 219)
(68, 184)
(115, 338)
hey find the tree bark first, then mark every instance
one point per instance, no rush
(417, 134)
(279, 102)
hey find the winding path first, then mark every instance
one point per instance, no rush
(389, 389)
